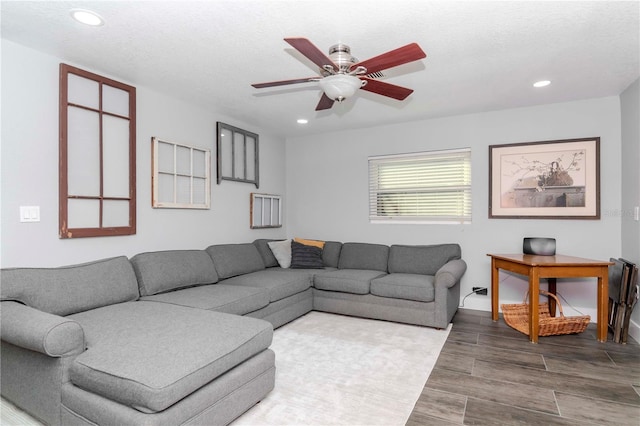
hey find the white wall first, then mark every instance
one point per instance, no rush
(323, 178)
(327, 178)
(29, 159)
(630, 109)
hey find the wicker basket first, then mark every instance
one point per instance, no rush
(517, 316)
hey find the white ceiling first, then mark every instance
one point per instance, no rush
(481, 55)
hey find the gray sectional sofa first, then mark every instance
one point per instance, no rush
(182, 337)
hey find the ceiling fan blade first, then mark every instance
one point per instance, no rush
(284, 82)
(393, 58)
(325, 102)
(309, 50)
(386, 89)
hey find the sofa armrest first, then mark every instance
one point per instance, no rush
(450, 273)
(39, 331)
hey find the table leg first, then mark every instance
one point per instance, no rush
(534, 295)
(603, 297)
(495, 274)
(552, 301)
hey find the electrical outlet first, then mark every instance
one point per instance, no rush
(480, 290)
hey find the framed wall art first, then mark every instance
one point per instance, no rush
(545, 180)
(180, 176)
(265, 211)
(237, 157)
(97, 155)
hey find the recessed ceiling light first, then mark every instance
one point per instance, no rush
(302, 121)
(87, 17)
(541, 83)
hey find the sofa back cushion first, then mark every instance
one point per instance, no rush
(425, 260)
(267, 254)
(364, 256)
(71, 289)
(162, 271)
(235, 259)
(331, 253)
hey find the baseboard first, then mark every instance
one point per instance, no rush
(634, 330)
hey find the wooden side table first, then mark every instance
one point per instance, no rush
(551, 267)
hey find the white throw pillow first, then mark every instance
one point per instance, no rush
(282, 251)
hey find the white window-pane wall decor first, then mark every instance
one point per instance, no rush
(180, 176)
(265, 211)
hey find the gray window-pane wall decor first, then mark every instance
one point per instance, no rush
(237, 156)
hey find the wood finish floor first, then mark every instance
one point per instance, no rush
(489, 374)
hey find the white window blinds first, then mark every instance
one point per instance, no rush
(426, 186)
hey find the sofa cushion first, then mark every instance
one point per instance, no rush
(235, 259)
(278, 282)
(305, 256)
(216, 297)
(421, 259)
(169, 270)
(150, 355)
(405, 286)
(282, 252)
(70, 289)
(364, 256)
(355, 281)
(331, 253)
(262, 244)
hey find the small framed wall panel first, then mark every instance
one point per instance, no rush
(237, 157)
(265, 211)
(181, 176)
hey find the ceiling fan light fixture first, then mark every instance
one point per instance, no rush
(340, 86)
(341, 75)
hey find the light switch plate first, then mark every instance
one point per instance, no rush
(29, 213)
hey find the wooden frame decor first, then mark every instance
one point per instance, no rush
(545, 180)
(180, 176)
(265, 211)
(97, 155)
(237, 152)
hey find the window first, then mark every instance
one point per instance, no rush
(237, 155)
(97, 164)
(180, 176)
(427, 187)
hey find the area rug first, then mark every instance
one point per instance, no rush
(339, 370)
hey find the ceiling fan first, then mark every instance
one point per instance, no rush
(341, 74)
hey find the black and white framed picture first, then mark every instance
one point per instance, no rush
(545, 180)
